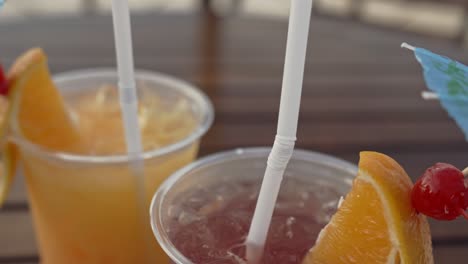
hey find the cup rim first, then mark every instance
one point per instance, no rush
(216, 158)
(191, 90)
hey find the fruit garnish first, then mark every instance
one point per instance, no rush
(441, 193)
(7, 155)
(34, 111)
(3, 82)
(37, 110)
(376, 222)
(7, 169)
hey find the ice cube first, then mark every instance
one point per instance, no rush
(188, 216)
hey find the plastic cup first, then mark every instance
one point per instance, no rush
(238, 166)
(85, 207)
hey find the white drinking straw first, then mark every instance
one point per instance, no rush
(127, 89)
(129, 107)
(283, 146)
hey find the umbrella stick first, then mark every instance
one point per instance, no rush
(429, 96)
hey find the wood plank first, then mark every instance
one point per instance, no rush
(17, 234)
(451, 255)
(445, 231)
(17, 197)
(236, 35)
(310, 104)
(344, 137)
(393, 86)
(19, 260)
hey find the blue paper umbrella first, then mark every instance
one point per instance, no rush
(448, 79)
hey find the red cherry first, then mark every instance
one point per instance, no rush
(3, 82)
(441, 193)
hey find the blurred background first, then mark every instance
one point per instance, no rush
(440, 18)
(361, 91)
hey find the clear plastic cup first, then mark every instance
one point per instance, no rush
(85, 207)
(192, 182)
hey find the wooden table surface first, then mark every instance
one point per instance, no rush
(361, 92)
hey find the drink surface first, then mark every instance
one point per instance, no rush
(88, 213)
(99, 120)
(211, 223)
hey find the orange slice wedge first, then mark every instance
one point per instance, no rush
(35, 111)
(376, 222)
(7, 156)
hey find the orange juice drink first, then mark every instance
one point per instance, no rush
(85, 202)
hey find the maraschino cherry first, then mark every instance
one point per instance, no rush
(3, 82)
(441, 193)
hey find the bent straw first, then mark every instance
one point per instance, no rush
(283, 146)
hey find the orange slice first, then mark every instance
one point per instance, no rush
(376, 222)
(35, 111)
(7, 160)
(38, 112)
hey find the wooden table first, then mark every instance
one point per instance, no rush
(361, 92)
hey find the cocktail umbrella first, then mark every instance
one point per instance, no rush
(447, 80)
